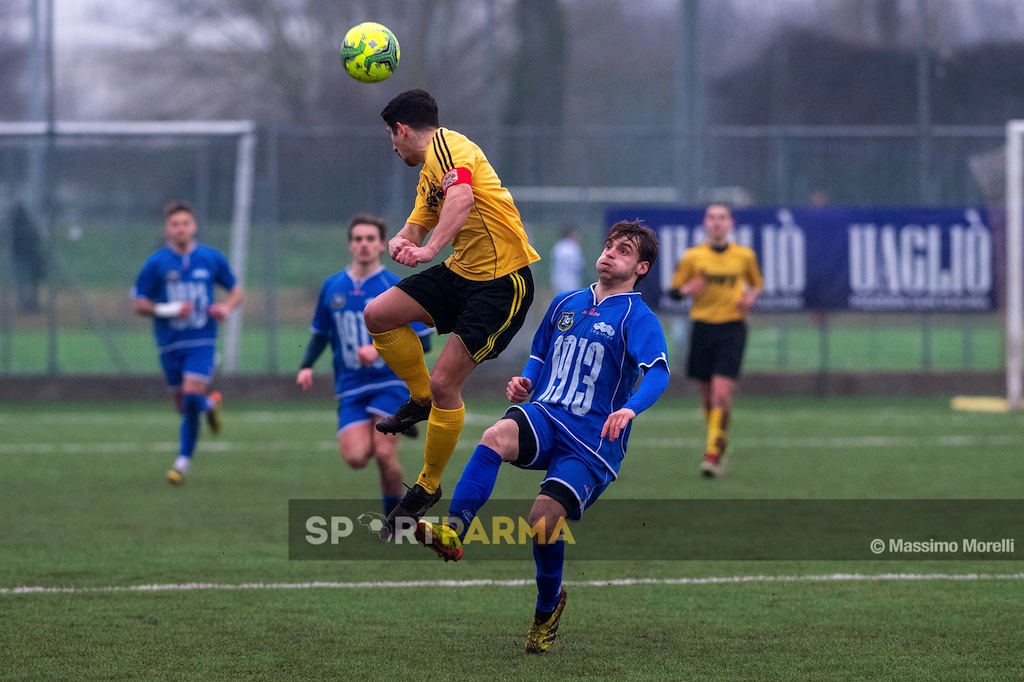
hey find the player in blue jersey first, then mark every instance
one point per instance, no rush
(366, 389)
(176, 287)
(591, 349)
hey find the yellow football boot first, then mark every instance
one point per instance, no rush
(441, 538)
(542, 635)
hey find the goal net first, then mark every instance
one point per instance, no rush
(81, 208)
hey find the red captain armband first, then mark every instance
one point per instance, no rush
(456, 176)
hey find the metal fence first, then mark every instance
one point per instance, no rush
(98, 216)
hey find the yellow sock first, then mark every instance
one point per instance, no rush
(403, 353)
(714, 430)
(443, 429)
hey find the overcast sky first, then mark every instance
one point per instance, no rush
(111, 21)
(116, 22)
(99, 22)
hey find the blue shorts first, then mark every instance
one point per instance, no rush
(359, 407)
(575, 477)
(196, 362)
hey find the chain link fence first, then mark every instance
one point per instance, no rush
(79, 216)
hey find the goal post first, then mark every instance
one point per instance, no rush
(244, 182)
(241, 222)
(1014, 264)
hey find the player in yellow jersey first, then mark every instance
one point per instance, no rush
(724, 280)
(480, 294)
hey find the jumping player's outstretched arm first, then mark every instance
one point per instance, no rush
(457, 204)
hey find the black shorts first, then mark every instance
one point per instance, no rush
(716, 349)
(485, 315)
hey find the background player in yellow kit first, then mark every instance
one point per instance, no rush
(724, 280)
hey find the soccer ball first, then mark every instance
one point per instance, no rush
(370, 52)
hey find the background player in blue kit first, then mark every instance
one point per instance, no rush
(592, 347)
(366, 389)
(176, 287)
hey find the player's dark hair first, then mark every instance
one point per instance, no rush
(643, 238)
(177, 206)
(368, 219)
(415, 108)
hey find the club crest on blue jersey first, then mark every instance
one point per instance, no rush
(172, 276)
(338, 301)
(565, 322)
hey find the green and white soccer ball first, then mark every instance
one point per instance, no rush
(370, 52)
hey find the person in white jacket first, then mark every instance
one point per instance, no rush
(567, 262)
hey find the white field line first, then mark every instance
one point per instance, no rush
(327, 415)
(620, 582)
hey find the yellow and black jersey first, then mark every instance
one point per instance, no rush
(727, 272)
(493, 241)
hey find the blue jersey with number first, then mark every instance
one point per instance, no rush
(339, 317)
(593, 355)
(170, 277)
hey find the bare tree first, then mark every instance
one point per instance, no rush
(272, 58)
(279, 60)
(539, 66)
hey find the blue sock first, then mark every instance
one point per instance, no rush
(550, 557)
(389, 502)
(475, 485)
(195, 404)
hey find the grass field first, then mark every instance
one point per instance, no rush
(786, 343)
(84, 507)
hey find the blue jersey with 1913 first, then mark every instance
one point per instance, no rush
(339, 317)
(170, 277)
(593, 355)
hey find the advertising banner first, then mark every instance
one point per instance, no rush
(841, 259)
